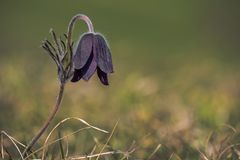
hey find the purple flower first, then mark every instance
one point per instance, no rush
(92, 53)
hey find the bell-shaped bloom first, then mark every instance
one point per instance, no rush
(92, 53)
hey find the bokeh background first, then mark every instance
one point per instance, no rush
(176, 72)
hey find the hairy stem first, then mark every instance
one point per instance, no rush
(71, 26)
(46, 124)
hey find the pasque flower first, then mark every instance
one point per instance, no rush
(92, 53)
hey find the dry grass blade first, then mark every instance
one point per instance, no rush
(14, 141)
(202, 155)
(223, 144)
(1, 144)
(55, 141)
(227, 138)
(127, 154)
(95, 155)
(114, 128)
(21, 144)
(61, 122)
(170, 157)
(155, 150)
(173, 155)
(226, 149)
(230, 127)
(66, 155)
(208, 139)
(93, 150)
(177, 157)
(61, 145)
(9, 155)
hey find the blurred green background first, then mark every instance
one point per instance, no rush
(176, 70)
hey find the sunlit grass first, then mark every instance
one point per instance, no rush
(179, 112)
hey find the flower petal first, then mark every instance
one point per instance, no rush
(89, 68)
(103, 54)
(77, 75)
(102, 76)
(83, 50)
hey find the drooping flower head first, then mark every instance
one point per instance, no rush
(92, 53)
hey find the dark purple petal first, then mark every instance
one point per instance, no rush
(77, 75)
(83, 50)
(102, 76)
(103, 54)
(89, 68)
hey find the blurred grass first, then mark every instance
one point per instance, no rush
(176, 71)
